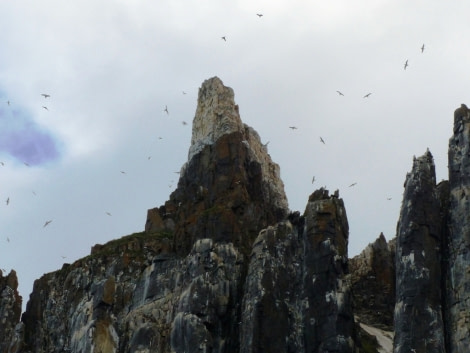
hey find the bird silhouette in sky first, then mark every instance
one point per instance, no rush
(313, 179)
(259, 15)
(8, 201)
(293, 127)
(166, 110)
(367, 95)
(422, 48)
(322, 141)
(8, 102)
(406, 65)
(26, 164)
(45, 107)
(109, 214)
(225, 39)
(340, 93)
(47, 223)
(45, 95)
(123, 172)
(353, 184)
(2, 164)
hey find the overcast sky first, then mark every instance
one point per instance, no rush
(110, 68)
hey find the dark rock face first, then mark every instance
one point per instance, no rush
(10, 312)
(418, 310)
(373, 284)
(458, 243)
(297, 292)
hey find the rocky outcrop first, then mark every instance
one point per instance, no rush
(297, 293)
(223, 266)
(220, 267)
(373, 284)
(229, 189)
(10, 312)
(458, 244)
(418, 311)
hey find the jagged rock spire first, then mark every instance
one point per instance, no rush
(418, 309)
(458, 289)
(229, 189)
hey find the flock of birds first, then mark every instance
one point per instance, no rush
(166, 110)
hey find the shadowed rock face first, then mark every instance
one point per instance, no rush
(297, 292)
(418, 310)
(458, 254)
(373, 284)
(10, 312)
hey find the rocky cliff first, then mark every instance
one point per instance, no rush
(222, 266)
(225, 266)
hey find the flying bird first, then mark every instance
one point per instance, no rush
(184, 92)
(367, 95)
(45, 107)
(321, 140)
(389, 198)
(340, 93)
(406, 65)
(45, 95)
(123, 172)
(353, 184)
(26, 164)
(293, 127)
(166, 110)
(47, 223)
(313, 179)
(8, 239)
(8, 102)
(422, 48)
(2, 164)
(225, 39)
(184, 123)
(109, 214)
(8, 201)
(259, 15)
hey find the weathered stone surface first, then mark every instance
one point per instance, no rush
(458, 240)
(297, 292)
(373, 284)
(229, 189)
(10, 310)
(418, 310)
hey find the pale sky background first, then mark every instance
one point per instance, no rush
(111, 67)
